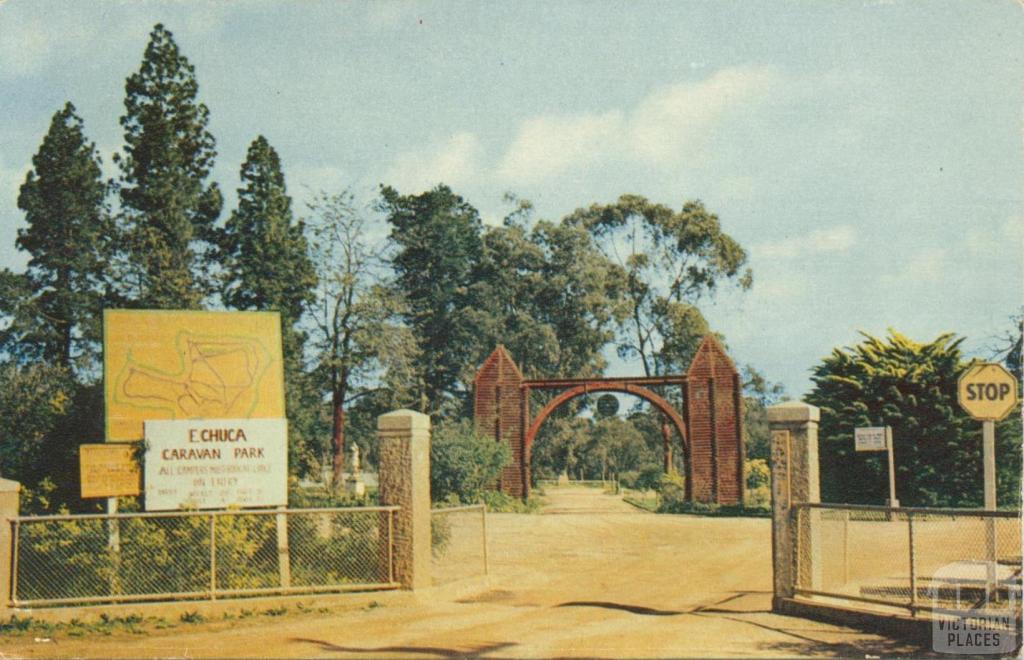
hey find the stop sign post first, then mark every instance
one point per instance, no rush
(988, 392)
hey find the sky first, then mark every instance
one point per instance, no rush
(867, 155)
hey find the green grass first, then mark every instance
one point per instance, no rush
(642, 503)
(135, 624)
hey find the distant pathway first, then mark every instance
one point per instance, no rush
(583, 499)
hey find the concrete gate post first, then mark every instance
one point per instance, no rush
(794, 467)
(404, 480)
(9, 491)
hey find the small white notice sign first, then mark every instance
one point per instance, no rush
(216, 463)
(870, 438)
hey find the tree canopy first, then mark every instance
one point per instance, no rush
(910, 386)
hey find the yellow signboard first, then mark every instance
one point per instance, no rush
(987, 392)
(189, 365)
(109, 470)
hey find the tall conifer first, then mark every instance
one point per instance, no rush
(169, 209)
(266, 266)
(264, 252)
(68, 236)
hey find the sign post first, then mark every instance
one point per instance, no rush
(988, 392)
(879, 438)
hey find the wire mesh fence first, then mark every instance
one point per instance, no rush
(458, 538)
(924, 560)
(154, 556)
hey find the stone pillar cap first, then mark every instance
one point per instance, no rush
(793, 411)
(9, 486)
(403, 420)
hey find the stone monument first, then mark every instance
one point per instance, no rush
(354, 483)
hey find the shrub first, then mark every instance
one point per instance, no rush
(649, 477)
(671, 489)
(464, 463)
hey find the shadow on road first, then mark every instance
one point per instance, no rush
(633, 609)
(476, 651)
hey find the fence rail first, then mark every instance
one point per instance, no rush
(126, 557)
(458, 538)
(918, 559)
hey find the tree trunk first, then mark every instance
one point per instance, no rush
(338, 443)
(666, 435)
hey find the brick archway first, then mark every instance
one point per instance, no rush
(709, 424)
(657, 401)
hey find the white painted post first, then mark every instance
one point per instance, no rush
(988, 450)
(284, 565)
(893, 501)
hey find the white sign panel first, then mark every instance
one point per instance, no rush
(871, 438)
(216, 463)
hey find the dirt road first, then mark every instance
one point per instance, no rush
(589, 577)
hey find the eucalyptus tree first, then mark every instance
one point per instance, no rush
(672, 261)
(548, 294)
(363, 351)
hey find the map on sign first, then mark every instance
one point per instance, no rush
(190, 365)
(219, 377)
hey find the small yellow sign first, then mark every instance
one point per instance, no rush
(109, 470)
(189, 365)
(988, 392)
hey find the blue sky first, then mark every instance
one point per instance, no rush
(868, 155)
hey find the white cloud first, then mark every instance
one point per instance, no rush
(389, 13)
(837, 239)
(664, 128)
(546, 146)
(925, 267)
(453, 161)
(1001, 239)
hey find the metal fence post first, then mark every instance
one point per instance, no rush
(16, 532)
(391, 545)
(846, 547)
(213, 557)
(913, 564)
(483, 532)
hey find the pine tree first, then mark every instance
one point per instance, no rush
(69, 239)
(267, 266)
(169, 210)
(263, 250)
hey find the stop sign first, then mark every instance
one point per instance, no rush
(987, 392)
